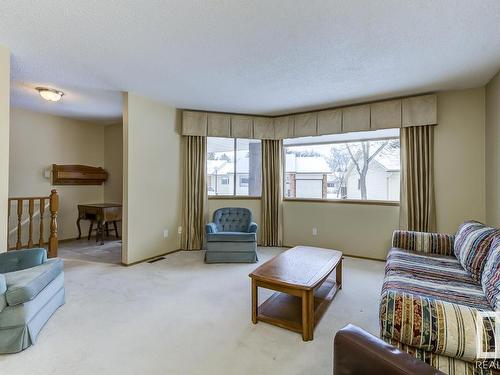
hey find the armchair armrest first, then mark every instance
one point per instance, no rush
(210, 228)
(17, 260)
(433, 243)
(3, 289)
(433, 325)
(24, 285)
(356, 352)
(253, 228)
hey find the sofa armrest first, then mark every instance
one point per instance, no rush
(432, 325)
(210, 228)
(17, 260)
(432, 243)
(253, 228)
(358, 352)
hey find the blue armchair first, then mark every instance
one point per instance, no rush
(31, 290)
(231, 237)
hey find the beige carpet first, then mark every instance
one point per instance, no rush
(181, 316)
(89, 250)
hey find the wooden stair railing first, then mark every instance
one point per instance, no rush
(53, 200)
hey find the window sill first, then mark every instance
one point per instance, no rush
(309, 200)
(344, 201)
(235, 197)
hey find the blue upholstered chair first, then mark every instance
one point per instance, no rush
(231, 237)
(31, 289)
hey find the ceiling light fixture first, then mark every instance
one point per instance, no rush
(51, 95)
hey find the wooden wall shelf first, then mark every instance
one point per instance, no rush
(78, 175)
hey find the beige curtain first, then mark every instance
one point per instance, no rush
(417, 210)
(272, 193)
(194, 200)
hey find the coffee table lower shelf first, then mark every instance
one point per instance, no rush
(285, 310)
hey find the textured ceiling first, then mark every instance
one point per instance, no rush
(255, 56)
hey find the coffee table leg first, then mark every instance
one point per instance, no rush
(307, 315)
(255, 302)
(339, 274)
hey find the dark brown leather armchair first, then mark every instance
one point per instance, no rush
(356, 352)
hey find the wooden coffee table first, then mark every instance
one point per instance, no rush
(301, 278)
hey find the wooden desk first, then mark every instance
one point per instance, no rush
(301, 278)
(102, 213)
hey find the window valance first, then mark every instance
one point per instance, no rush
(396, 113)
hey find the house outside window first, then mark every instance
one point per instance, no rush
(354, 166)
(244, 181)
(233, 167)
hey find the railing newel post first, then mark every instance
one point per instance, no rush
(54, 207)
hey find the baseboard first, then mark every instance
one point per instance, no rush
(346, 255)
(68, 239)
(365, 258)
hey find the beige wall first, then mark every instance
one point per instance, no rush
(113, 163)
(338, 224)
(493, 151)
(459, 158)
(152, 178)
(39, 140)
(356, 229)
(4, 142)
(366, 230)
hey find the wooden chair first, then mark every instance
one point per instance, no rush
(106, 228)
(100, 214)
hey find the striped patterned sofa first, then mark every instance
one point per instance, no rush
(429, 299)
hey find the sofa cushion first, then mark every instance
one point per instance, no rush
(24, 285)
(443, 363)
(490, 279)
(231, 237)
(432, 276)
(434, 325)
(472, 244)
(432, 243)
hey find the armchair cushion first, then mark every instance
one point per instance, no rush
(433, 325)
(472, 245)
(490, 279)
(432, 243)
(21, 259)
(231, 237)
(24, 285)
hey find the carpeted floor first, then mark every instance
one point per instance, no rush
(89, 250)
(181, 316)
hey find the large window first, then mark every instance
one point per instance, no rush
(233, 167)
(363, 166)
